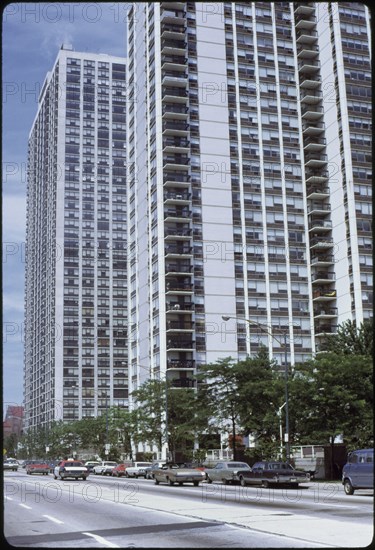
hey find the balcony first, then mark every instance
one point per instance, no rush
(175, 128)
(324, 295)
(320, 226)
(177, 197)
(314, 145)
(180, 344)
(175, 79)
(176, 179)
(315, 160)
(175, 111)
(177, 94)
(176, 214)
(312, 113)
(179, 326)
(318, 207)
(180, 364)
(172, 250)
(180, 232)
(304, 9)
(173, 47)
(183, 382)
(173, 32)
(178, 268)
(325, 313)
(172, 18)
(305, 36)
(176, 162)
(172, 63)
(316, 177)
(311, 96)
(180, 289)
(173, 144)
(309, 52)
(321, 242)
(322, 260)
(322, 277)
(313, 129)
(179, 307)
(306, 24)
(324, 329)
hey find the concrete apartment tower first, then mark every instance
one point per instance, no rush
(76, 283)
(249, 182)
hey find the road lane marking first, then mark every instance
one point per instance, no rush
(102, 540)
(25, 506)
(53, 519)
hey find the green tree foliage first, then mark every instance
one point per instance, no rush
(333, 395)
(351, 339)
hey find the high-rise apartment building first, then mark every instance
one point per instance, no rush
(249, 180)
(76, 284)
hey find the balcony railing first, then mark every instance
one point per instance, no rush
(180, 364)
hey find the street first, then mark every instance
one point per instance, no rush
(106, 512)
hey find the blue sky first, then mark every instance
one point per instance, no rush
(32, 34)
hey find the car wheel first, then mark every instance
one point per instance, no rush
(170, 481)
(348, 487)
(196, 483)
(242, 481)
(84, 478)
(226, 481)
(265, 484)
(156, 481)
(208, 479)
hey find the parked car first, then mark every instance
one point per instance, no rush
(137, 469)
(151, 469)
(119, 470)
(272, 473)
(225, 471)
(11, 464)
(36, 467)
(71, 468)
(91, 463)
(178, 473)
(104, 468)
(358, 472)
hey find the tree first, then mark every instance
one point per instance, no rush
(332, 396)
(351, 339)
(219, 387)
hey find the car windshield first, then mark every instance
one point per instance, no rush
(238, 465)
(72, 463)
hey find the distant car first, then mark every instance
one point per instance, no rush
(178, 473)
(225, 471)
(11, 464)
(38, 468)
(137, 469)
(151, 469)
(71, 469)
(358, 472)
(91, 463)
(104, 468)
(267, 473)
(119, 470)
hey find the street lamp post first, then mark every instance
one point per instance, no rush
(284, 345)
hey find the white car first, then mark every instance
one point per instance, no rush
(104, 468)
(137, 470)
(11, 464)
(70, 468)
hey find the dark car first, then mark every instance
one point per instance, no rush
(358, 472)
(266, 473)
(119, 470)
(38, 468)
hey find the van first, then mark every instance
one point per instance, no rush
(358, 472)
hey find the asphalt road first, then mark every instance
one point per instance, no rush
(105, 512)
